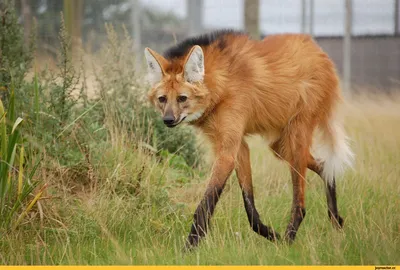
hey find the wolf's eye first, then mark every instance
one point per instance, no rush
(162, 99)
(182, 98)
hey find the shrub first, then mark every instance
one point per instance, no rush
(16, 170)
(15, 55)
(67, 128)
(124, 101)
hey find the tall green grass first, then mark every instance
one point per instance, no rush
(110, 143)
(15, 185)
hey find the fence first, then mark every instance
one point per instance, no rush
(362, 36)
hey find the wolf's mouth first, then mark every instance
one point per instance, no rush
(176, 123)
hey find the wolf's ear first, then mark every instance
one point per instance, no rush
(194, 65)
(155, 63)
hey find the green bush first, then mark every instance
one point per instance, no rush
(16, 169)
(67, 126)
(124, 101)
(15, 55)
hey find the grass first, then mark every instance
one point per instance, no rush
(124, 220)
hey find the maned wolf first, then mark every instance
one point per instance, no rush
(229, 86)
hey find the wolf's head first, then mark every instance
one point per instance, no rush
(177, 86)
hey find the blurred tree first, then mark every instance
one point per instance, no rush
(81, 17)
(94, 14)
(47, 15)
(73, 14)
(27, 17)
(15, 52)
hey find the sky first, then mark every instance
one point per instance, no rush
(277, 16)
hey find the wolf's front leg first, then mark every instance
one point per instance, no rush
(222, 169)
(226, 143)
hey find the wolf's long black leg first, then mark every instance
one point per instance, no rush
(243, 171)
(330, 190)
(202, 215)
(222, 169)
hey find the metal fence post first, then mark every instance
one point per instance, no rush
(311, 26)
(347, 48)
(396, 17)
(303, 16)
(251, 18)
(194, 16)
(136, 35)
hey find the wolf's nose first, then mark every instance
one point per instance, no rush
(169, 120)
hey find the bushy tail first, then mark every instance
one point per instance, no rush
(331, 149)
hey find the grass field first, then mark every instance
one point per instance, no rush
(90, 175)
(108, 225)
(111, 185)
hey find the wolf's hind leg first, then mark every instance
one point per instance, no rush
(243, 172)
(293, 147)
(330, 190)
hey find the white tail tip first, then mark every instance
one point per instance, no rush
(333, 152)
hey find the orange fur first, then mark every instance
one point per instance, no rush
(282, 88)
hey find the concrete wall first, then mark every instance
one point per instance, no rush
(375, 60)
